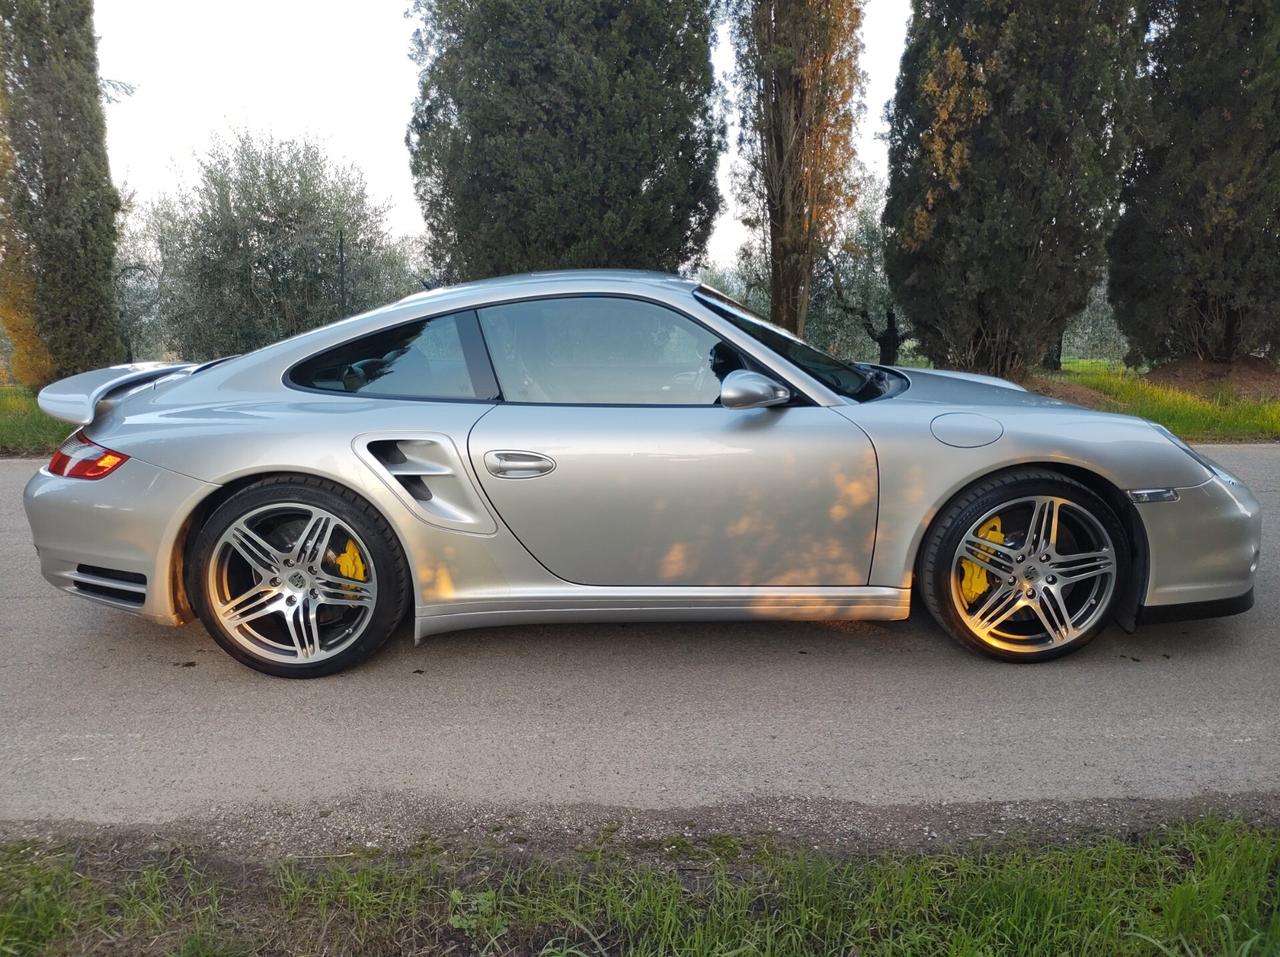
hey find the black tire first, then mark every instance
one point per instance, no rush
(391, 573)
(936, 568)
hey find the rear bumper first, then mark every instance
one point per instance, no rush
(1204, 550)
(113, 540)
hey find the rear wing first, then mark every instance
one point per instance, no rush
(75, 399)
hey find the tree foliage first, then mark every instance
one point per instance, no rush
(564, 133)
(26, 357)
(137, 286)
(853, 313)
(850, 290)
(1195, 259)
(1008, 131)
(746, 279)
(57, 232)
(1094, 334)
(250, 254)
(799, 93)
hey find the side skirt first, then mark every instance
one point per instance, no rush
(1193, 611)
(581, 604)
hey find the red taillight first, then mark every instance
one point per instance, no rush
(77, 457)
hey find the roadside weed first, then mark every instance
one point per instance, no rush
(24, 429)
(1193, 418)
(1192, 890)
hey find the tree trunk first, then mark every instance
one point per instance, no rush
(889, 340)
(1053, 358)
(1230, 335)
(789, 288)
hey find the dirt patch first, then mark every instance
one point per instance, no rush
(1249, 378)
(361, 825)
(1072, 392)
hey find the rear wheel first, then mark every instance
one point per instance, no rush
(1024, 566)
(298, 577)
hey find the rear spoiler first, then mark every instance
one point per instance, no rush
(75, 399)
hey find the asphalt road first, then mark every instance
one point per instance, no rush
(107, 719)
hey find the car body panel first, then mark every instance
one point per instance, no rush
(565, 602)
(1205, 547)
(671, 495)
(815, 509)
(130, 525)
(925, 473)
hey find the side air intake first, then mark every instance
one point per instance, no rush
(427, 473)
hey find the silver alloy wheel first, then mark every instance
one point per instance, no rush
(276, 586)
(1050, 580)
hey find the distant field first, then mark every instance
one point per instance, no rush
(1109, 386)
(1201, 889)
(24, 429)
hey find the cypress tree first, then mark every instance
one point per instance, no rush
(1195, 259)
(28, 361)
(799, 90)
(1008, 131)
(58, 200)
(564, 133)
(799, 93)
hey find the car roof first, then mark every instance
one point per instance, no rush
(471, 295)
(557, 277)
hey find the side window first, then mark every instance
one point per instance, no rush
(438, 358)
(600, 350)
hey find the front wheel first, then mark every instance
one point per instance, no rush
(298, 577)
(1024, 566)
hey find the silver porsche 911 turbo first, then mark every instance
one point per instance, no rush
(588, 446)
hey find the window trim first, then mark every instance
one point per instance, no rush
(724, 306)
(475, 354)
(800, 396)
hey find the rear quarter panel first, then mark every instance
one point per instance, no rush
(311, 434)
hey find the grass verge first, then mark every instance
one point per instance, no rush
(24, 429)
(1110, 387)
(1195, 889)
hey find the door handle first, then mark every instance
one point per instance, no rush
(513, 464)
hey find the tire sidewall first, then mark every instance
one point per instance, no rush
(389, 605)
(967, 513)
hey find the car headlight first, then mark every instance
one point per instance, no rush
(1210, 465)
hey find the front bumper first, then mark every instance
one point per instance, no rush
(113, 540)
(1204, 550)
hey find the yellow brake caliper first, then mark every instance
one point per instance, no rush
(975, 580)
(351, 565)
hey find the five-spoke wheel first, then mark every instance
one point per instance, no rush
(1024, 566)
(297, 577)
(292, 582)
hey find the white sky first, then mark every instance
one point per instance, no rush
(336, 71)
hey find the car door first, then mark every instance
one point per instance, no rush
(613, 463)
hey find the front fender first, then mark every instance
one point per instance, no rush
(921, 475)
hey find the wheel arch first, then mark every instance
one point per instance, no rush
(204, 508)
(1127, 605)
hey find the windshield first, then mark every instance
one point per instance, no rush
(839, 377)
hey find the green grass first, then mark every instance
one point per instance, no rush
(1223, 418)
(24, 429)
(1208, 888)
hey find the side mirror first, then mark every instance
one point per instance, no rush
(751, 390)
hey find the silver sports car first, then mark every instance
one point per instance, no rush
(587, 446)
